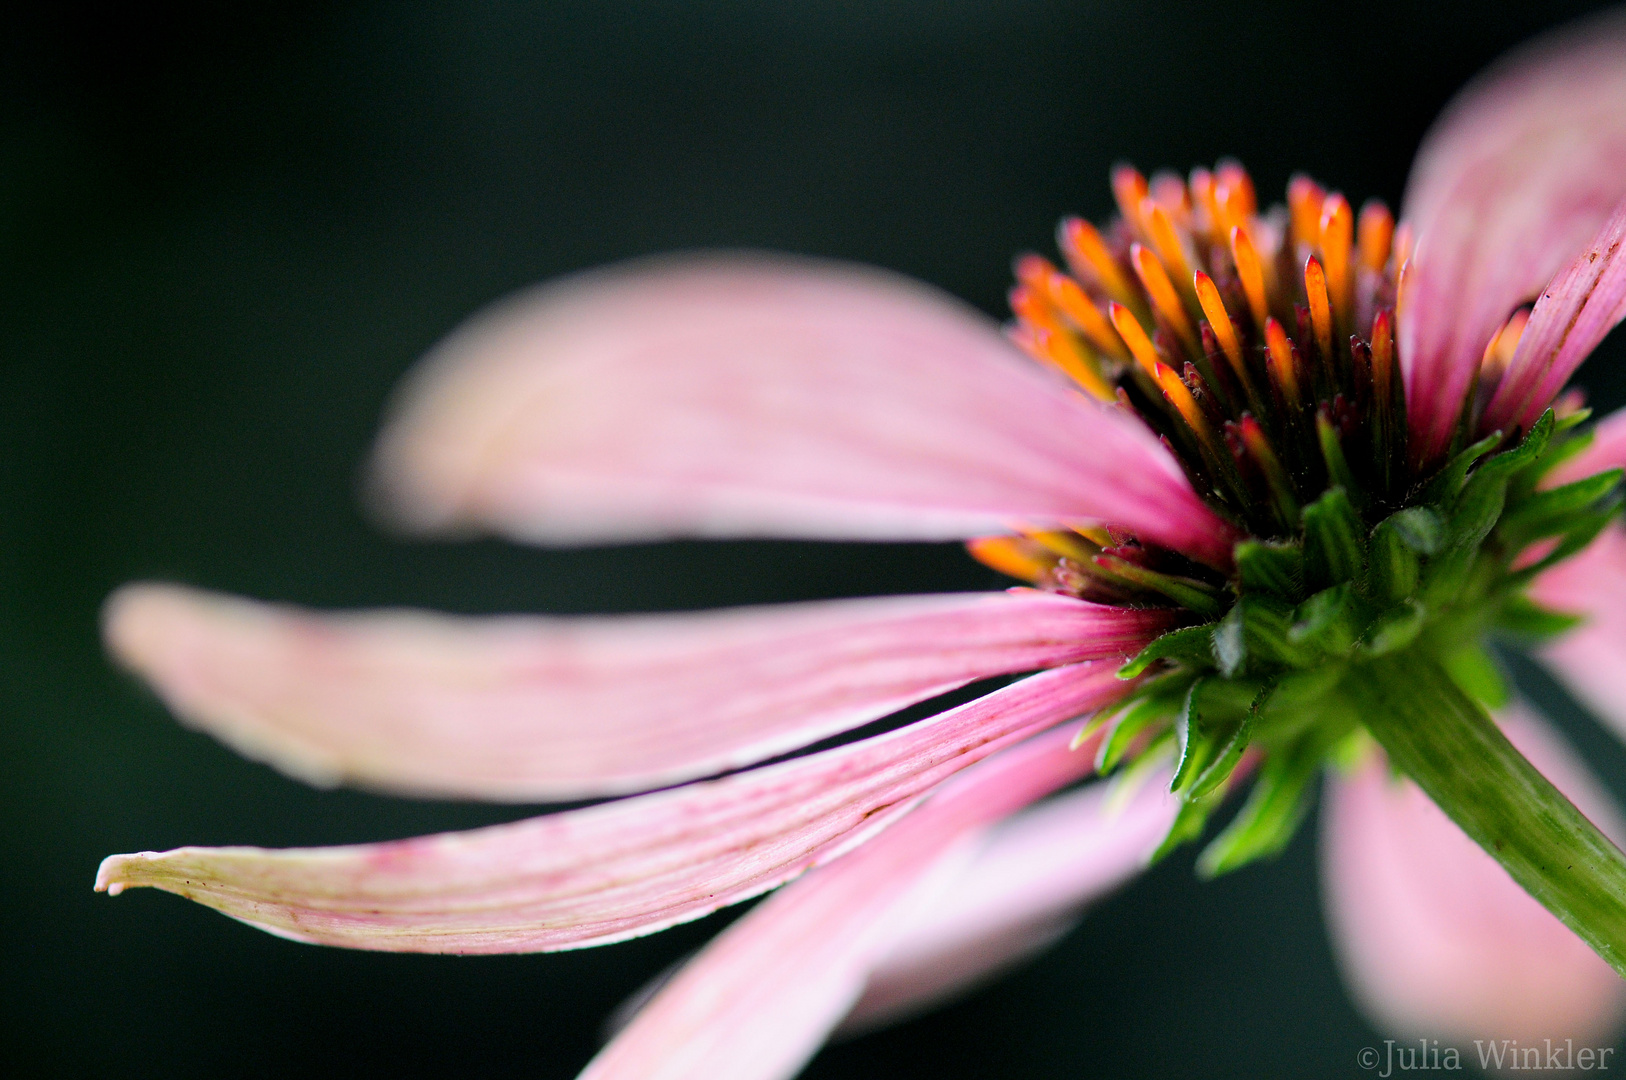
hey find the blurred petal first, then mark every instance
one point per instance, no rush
(1021, 891)
(1592, 584)
(1516, 177)
(1591, 657)
(1578, 309)
(759, 1000)
(1435, 939)
(616, 870)
(757, 396)
(551, 709)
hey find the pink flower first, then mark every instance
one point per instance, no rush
(757, 396)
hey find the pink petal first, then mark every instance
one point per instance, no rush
(1591, 657)
(758, 396)
(552, 709)
(1518, 174)
(1435, 938)
(757, 1002)
(617, 870)
(1021, 891)
(1577, 310)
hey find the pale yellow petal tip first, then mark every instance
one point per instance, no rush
(111, 877)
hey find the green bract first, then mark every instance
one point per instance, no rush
(1325, 636)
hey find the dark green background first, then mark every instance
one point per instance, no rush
(226, 233)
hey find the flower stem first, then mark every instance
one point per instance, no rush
(1451, 747)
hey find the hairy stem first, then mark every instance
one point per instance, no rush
(1450, 746)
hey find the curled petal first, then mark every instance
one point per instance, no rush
(1575, 312)
(560, 708)
(756, 1003)
(1433, 935)
(757, 396)
(1022, 890)
(616, 870)
(1517, 176)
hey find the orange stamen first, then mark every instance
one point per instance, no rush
(1499, 352)
(1219, 320)
(1236, 190)
(1140, 345)
(1013, 556)
(1030, 307)
(1089, 257)
(1070, 297)
(1067, 355)
(1164, 299)
(1129, 188)
(1204, 195)
(1065, 543)
(1315, 287)
(1383, 355)
(1376, 231)
(1169, 192)
(1279, 357)
(1304, 201)
(1165, 240)
(1180, 397)
(1337, 227)
(1251, 274)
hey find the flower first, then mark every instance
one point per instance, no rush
(1275, 535)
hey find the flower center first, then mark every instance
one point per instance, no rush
(1260, 347)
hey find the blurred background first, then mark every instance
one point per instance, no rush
(225, 233)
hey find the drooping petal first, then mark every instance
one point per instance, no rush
(1433, 935)
(1517, 176)
(1575, 312)
(1021, 891)
(1592, 584)
(758, 396)
(616, 870)
(756, 1003)
(558, 708)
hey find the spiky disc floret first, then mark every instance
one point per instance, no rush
(1261, 349)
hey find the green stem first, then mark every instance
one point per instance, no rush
(1446, 742)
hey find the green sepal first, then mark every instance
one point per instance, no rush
(1332, 454)
(1530, 622)
(1332, 620)
(1548, 513)
(1254, 635)
(1215, 714)
(1188, 825)
(1477, 674)
(1199, 596)
(1158, 703)
(1272, 568)
(1272, 813)
(1190, 645)
(1399, 544)
(1447, 485)
(1334, 541)
(1573, 420)
(1219, 770)
(1395, 629)
(1479, 506)
(1579, 535)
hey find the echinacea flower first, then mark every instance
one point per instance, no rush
(1272, 481)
